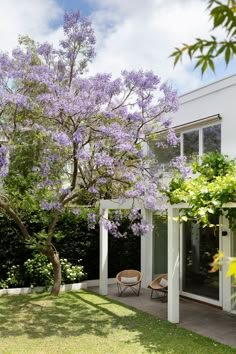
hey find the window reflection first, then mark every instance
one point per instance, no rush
(191, 143)
(199, 247)
(212, 139)
(164, 154)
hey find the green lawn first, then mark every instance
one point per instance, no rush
(84, 322)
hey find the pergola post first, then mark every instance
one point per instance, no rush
(173, 265)
(103, 280)
(146, 251)
(226, 247)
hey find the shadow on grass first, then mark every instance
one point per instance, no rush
(78, 313)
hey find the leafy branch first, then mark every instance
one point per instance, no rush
(205, 51)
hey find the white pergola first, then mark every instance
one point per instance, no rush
(146, 242)
(146, 252)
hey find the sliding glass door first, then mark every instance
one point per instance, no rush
(233, 281)
(198, 248)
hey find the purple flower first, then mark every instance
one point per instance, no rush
(170, 101)
(91, 220)
(83, 155)
(64, 191)
(172, 138)
(103, 159)
(93, 189)
(79, 135)
(76, 211)
(62, 138)
(140, 229)
(45, 168)
(134, 214)
(4, 161)
(101, 180)
(180, 164)
(50, 205)
(44, 49)
(151, 202)
(137, 191)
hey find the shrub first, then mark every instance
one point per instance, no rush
(14, 278)
(73, 241)
(40, 272)
(71, 273)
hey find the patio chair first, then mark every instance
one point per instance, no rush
(129, 279)
(160, 284)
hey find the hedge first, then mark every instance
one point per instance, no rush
(74, 242)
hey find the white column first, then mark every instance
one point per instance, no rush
(103, 269)
(146, 251)
(225, 282)
(173, 266)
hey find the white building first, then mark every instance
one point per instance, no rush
(206, 121)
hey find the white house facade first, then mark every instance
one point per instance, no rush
(205, 121)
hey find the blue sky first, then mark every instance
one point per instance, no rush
(86, 7)
(131, 34)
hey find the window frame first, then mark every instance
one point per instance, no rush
(200, 136)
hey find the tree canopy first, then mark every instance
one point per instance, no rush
(70, 139)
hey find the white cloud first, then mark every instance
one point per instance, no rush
(138, 34)
(131, 34)
(31, 17)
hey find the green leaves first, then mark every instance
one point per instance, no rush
(213, 184)
(205, 52)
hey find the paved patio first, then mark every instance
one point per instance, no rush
(203, 319)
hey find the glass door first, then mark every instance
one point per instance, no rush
(198, 248)
(233, 283)
(159, 245)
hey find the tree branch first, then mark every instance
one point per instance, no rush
(15, 217)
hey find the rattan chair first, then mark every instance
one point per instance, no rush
(129, 279)
(160, 284)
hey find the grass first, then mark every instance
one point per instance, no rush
(84, 322)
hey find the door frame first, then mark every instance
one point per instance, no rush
(222, 245)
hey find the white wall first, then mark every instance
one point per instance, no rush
(216, 98)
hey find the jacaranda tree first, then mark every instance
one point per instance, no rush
(69, 139)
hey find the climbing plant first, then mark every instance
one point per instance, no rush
(212, 184)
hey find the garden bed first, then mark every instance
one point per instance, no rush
(41, 289)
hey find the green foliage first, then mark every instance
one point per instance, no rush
(37, 271)
(23, 177)
(213, 184)
(71, 273)
(40, 272)
(205, 51)
(73, 241)
(12, 246)
(14, 278)
(214, 165)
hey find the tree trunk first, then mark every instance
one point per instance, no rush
(54, 258)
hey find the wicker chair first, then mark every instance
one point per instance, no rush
(129, 279)
(160, 284)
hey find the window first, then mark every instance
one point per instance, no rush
(164, 153)
(193, 143)
(211, 138)
(190, 144)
